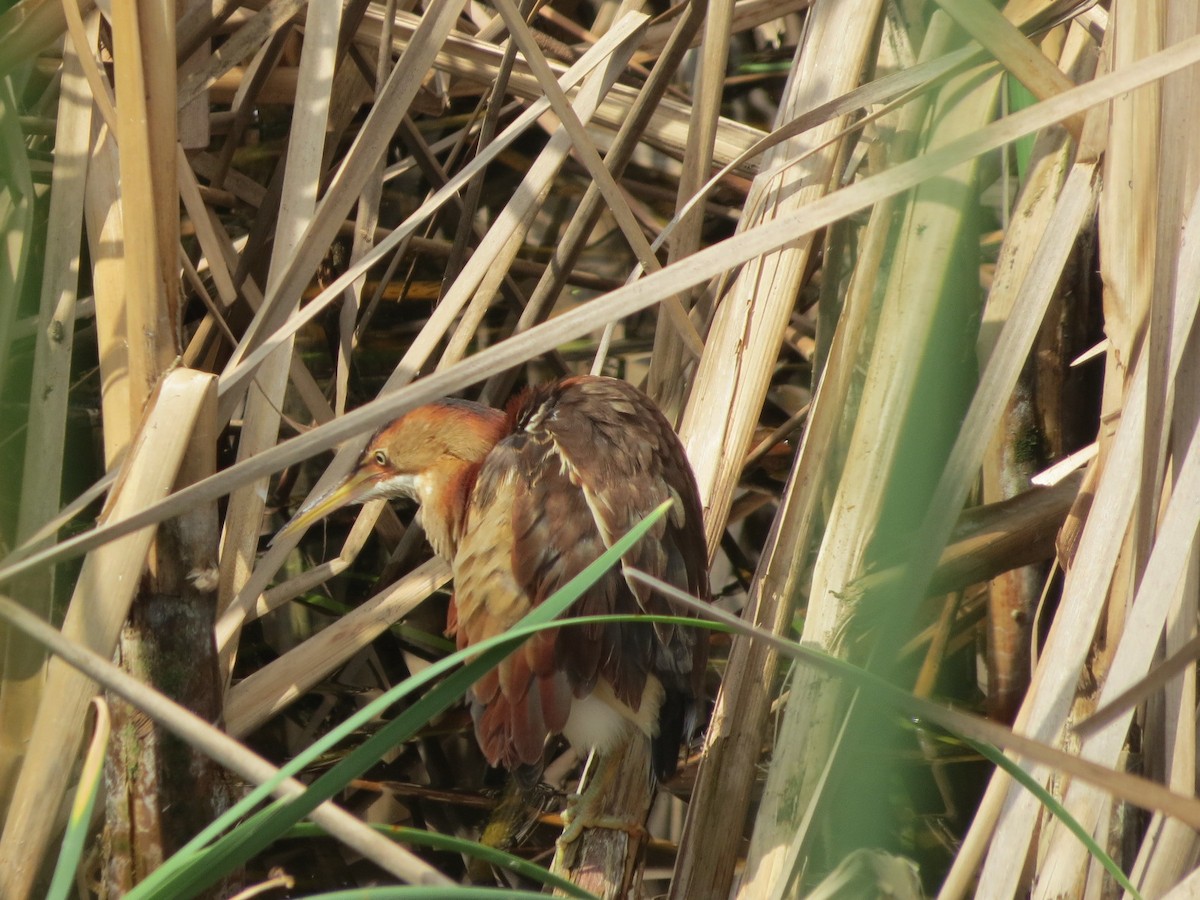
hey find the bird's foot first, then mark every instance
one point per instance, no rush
(576, 821)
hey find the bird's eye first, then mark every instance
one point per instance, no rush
(380, 458)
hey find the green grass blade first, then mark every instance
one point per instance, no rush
(1057, 810)
(198, 865)
(418, 837)
(90, 779)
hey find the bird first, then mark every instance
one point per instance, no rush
(518, 502)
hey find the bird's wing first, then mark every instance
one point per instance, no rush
(528, 696)
(607, 458)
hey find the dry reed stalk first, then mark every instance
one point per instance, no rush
(344, 189)
(1013, 594)
(1163, 857)
(747, 15)
(103, 595)
(234, 618)
(17, 210)
(195, 126)
(1131, 267)
(277, 685)
(32, 27)
(301, 176)
(106, 242)
(585, 150)
(1066, 644)
(993, 538)
(16, 215)
(748, 329)
(146, 137)
(1067, 220)
(477, 61)
(215, 247)
(479, 281)
(40, 482)
(749, 324)
(366, 221)
(1160, 590)
(247, 40)
(1162, 602)
(569, 248)
(368, 147)
(735, 735)
(159, 794)
(140, 776)
(664, 383)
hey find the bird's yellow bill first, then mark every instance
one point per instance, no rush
(352, 490)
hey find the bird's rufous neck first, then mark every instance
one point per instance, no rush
(444, 508)
(472, 432)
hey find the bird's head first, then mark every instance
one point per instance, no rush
(423, 455)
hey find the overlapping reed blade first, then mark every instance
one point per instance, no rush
(668, 360)
(730, 386)
(309, 241)
(30, 28)
(106, 234)
(477, 60)
(366, 220)
(1151, 304)
(700, 267)
(746, 333)
(18, 700)
(40, 481)
(930, 291)
(1133, 202)
(588, 213)
(277, 685)
(480, 278)
(147, 137)
(143, 335)
(16, 216)
(1163, 856)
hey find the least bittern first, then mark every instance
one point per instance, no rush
(520, 502)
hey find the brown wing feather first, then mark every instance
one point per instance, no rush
(525, 698)
(586, 460)
(615, 445)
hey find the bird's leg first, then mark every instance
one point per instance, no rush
(589, 809)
